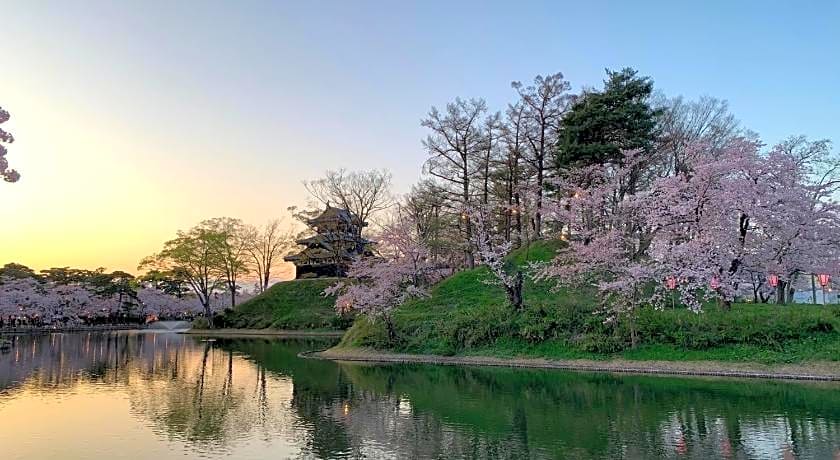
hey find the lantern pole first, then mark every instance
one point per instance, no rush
(824, 280)
(671, 284)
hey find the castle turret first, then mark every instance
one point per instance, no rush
(337, 242)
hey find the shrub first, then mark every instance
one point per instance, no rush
(761, 325)
(464, 315)
(476, 328)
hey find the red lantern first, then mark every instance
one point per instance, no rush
(670, 282)
(824, 279)
(714, 283)
(773, 280)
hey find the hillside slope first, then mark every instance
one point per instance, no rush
(293, 305)
(463, 315)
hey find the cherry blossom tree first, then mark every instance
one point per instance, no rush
(491, 247)
(37, 301)
(737, 212)
(48, 302)
(165, 306)
(730, 213)
(403, 271)
(607, 235)
(18, 296)
(8, 174)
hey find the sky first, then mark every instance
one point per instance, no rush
(136, 119)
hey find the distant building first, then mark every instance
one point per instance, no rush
(803, 296)
(337, 242)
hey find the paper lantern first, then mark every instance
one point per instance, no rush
(824, 279)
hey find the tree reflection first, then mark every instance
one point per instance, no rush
(317, 386)
(218, 396)
(503, 413)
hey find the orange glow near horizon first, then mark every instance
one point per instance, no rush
(94, 194)
(114, 161)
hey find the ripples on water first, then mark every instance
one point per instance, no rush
(166, 396)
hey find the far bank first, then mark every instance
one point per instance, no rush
(463, 318)
(278, 333)
(814, 371)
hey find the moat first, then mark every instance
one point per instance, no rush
(161, 395)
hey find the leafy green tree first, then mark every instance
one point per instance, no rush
(17, 271)
(232, 242)
(117, 284)
(166, 282)
(601, 124)
(193, 256)
(67, 275)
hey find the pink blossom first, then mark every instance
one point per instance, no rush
(402, 271)
(8, 175)
(732, 214)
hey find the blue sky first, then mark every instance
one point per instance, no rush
(188, 110)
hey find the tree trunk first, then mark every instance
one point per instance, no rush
(781, 292)
(518, 220)
(514, 292)
(389, 326)
(538, 215)
(469, 257)
(208, 313)
(266, 277)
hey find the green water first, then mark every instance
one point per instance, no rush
(166, 396)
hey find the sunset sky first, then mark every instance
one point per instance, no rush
(135, 120)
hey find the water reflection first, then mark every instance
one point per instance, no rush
(142, 395)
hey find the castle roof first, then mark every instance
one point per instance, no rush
(333, 215)
(328, 238)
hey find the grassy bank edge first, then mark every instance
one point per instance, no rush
(288, 305)
(815, 371)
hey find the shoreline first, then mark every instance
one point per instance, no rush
(49, 330)
(817, 371)
(263, 333)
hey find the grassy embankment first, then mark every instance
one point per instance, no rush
(288, 305)
(465, 316)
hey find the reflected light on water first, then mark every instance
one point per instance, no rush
(167, 396)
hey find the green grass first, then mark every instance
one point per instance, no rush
(821, 347)
(463, 315)
(297, 305)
